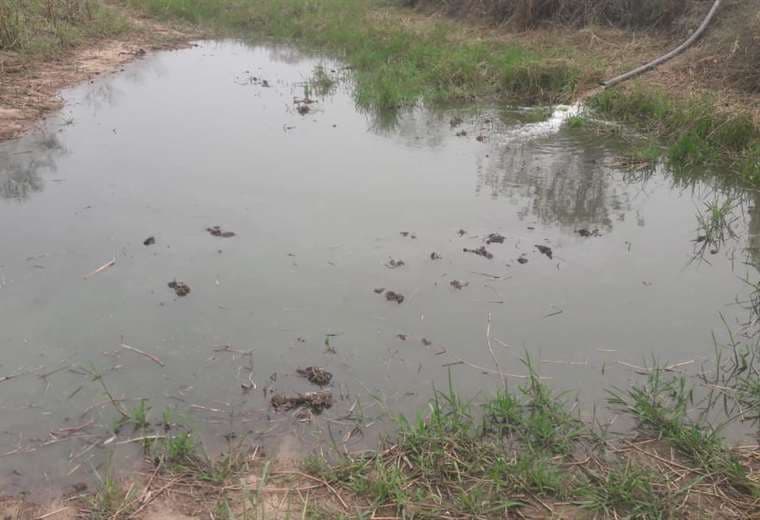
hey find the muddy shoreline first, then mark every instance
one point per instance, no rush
(30, 86)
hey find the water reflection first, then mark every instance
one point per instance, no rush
(23, 161)
(566, 185)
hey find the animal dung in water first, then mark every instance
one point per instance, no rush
(149, 241)
(315, 375)
(393, 296)
(393, 264)
(218, 232)
(456, 284)
(316, 401)
(495, 238)
(545, 250)
(435, 256)
(481, 251)
(180, 288)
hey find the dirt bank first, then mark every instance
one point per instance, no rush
(29, 85)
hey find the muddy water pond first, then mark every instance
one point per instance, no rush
(318, 208)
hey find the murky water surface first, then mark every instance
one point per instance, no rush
(185, 140)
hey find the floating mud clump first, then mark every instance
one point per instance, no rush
(316, 401)
(149, 241)
(456, 284)
(585, 233)
(481, 251)
(393, 296)
(315, 375)
(495, 238)
(180, 288)
(394, 264)
(545, 250)
(218, 232)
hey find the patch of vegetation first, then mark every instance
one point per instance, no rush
(393, 66)
(111, 501)
(44, 27)
(529, 13)
(626, 490)
(661, 406)
(577, 121)
(697, 133)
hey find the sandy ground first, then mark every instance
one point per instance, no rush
(29, 88)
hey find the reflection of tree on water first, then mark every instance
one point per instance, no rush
(559, 182)
(22, 161)
(413, 126)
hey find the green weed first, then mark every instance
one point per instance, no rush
(45, 27)
(111, 501)
(697, 133)
(661, 406)
(625, 490)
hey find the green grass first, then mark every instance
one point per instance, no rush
(661, 405)
(697, 133)
(393, 66)
(626, 490)
(111, 501)
(44, 27)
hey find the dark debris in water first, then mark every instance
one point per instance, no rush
(315, 375)
(217, 231)
(586, 233)
(316, 401)
(545, 250)
(394, 264)
(458, 285)
(481, 251)
(180, 288)
(393, 296)
(495, 238)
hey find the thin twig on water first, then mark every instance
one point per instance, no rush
(493, 354)
(148, 355)
(102, 268)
